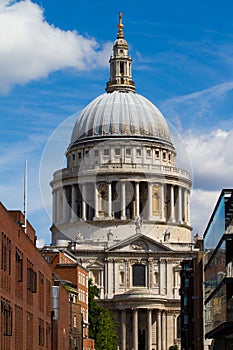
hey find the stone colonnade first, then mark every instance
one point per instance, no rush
(158, 332)
(163, 202)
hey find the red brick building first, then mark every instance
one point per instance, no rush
(44, 299)
(25, 287)
(60, 317)
(75, 279)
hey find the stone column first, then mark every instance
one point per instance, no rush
(164, 331)
(188, 213)
(96, 201)
(59, 205)
(137, 198)
(135, 329)
(186, 206)
(73, 203)
(106, 264)
(179, 204)
(123, 216)
(64, 199)
(84, 207)
(123, 330)
(101, 284)
(150, 214)
(172, 216)
(54, 206)
(174, 326)
(162, 203)
(149, 329)
(170, 330)
(158, 330)
(109, 200)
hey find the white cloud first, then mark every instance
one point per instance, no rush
(208, 94)
(202, 205)
(204, 107)
(40, 243)
(31, 48)
(212, 158)
(212, 162)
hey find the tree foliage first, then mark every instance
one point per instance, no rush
(102, 327)
(174, 347)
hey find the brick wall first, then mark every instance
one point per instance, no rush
(24, 306)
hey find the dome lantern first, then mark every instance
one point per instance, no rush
(120, 64)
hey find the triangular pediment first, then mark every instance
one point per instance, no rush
(94, 265)
(139, 242)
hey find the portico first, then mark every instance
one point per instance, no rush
(151, 328)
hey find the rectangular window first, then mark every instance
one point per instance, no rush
(157, 153)
(148, 152)
(139, 152)
(6, 254)
(48, 336)
(96, 152)
(3, 260)
(31, 280)
(186, 319)
(6, 317)
(41, 289)
(19, 266)
(117, 152)
(41, 332)
(106, 152)
(128, 152)
(139, 275)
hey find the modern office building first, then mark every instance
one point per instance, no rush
(218, 273)
(122, 207)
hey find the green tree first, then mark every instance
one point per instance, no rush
(102, 327)
(174, 347)
(93, 310)
(106, 338)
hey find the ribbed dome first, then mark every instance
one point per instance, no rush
(119, 114)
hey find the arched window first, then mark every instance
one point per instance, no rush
(139, 275)
(156, 278)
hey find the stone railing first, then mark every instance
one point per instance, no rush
(90, 170)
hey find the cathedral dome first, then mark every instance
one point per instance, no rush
(120, 114)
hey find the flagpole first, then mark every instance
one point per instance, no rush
(25, 196)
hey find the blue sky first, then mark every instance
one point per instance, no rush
(54, 60)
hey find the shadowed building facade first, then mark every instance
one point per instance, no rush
(122, 207)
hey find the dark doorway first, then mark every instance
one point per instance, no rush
(141, 339)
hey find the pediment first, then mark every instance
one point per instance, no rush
(140, 243)
(94, 265)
